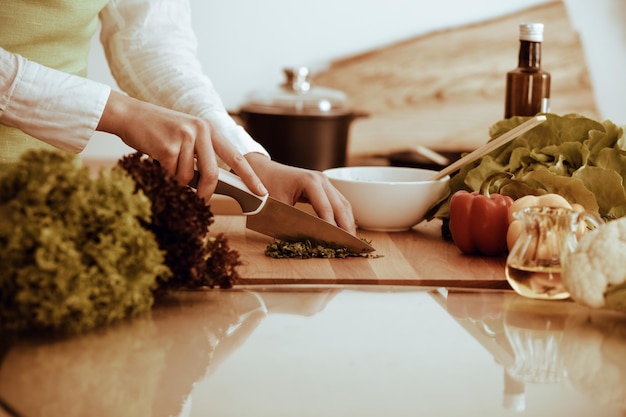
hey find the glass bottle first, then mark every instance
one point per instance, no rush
(528, 86)
(533, 267)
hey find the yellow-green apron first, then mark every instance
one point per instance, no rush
(54, 33)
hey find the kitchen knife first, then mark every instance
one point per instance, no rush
(282, 221)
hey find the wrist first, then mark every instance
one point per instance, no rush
(114, 113)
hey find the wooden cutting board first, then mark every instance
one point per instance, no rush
(420, 257)
(445, 89)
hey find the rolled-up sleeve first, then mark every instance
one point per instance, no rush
(55, 107)
(151, 50)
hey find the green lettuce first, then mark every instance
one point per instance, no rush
(579, 158)
(74, 250)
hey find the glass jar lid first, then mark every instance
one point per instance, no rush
(297, 96)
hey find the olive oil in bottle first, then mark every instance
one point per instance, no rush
(528, 86)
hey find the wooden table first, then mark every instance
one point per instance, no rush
(333, 346)
(420, 257)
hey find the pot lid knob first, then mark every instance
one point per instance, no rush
(297, 79)
(298, 96)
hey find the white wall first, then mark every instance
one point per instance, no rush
(244, 44)
(602, 27)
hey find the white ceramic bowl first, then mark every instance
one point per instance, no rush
(386, 198)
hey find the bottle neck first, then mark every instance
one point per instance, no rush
(529, 55)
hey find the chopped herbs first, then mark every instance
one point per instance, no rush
(307, 250)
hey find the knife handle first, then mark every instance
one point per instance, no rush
(231, 185)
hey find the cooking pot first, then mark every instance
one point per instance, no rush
(300, 124)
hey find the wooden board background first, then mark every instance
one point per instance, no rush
(445, 89)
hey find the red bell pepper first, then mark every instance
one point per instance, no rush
(479, 221)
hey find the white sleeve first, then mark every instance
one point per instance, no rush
(55, 107)
(151, 50)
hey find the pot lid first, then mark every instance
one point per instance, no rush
(298, 96)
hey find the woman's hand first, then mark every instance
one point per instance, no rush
(297, 185)
(177, 141)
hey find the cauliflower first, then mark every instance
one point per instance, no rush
(594, 271)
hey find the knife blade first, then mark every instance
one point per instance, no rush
(279, 220)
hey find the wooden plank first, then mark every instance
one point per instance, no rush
(444, 89)
(419, 257)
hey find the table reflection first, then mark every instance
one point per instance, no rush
(184, 339)
(546, 342)
(594, 354)
(151, 365)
